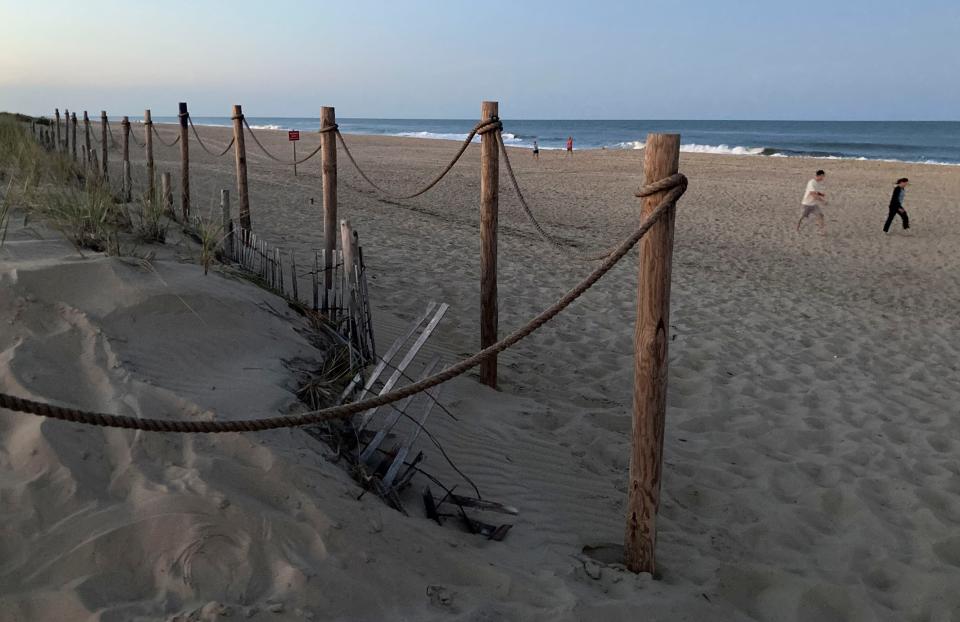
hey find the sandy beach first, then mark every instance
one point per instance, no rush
(811, 456)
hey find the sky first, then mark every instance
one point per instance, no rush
(679, 59)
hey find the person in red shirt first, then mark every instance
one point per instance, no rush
(569, 145)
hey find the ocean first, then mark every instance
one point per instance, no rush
(931, 142)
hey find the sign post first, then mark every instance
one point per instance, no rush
(293, 136)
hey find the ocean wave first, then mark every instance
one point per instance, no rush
(508, 138)
(695, 148)
(267, 127)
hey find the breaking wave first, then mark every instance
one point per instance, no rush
(695, 148)
(508, 138)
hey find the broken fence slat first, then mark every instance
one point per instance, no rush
(414, 349)
(388, 356)
(405, 447)
(391, 420)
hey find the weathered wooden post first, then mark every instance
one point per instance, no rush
(184, 165)
(148, 146)
(56, 111)
(240, 155)
(66, 131)
(227, 223)
(328, 154)
(166, 193)
(651, 337)
(94, 167)
(103, 146)
(127, 182)
(489, 207)
(73, 135)
(349, 261)
(86, 141)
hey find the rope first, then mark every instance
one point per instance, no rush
(204, 147)
(157, 134)
(677, 185)
(536, 224)
(275, 158)
(483, 127)
(133, 137)
(110, 132)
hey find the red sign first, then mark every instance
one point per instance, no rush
(293, 135)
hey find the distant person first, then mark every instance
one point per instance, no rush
(896, 205)
(536, 150)
(813, 198)
(569, 145)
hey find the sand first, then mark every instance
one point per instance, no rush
(811, 467)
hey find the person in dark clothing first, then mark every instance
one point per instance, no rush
(896, 205)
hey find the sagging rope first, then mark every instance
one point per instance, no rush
(533, 220)
(110, 133)
(204, 147)
(275, 158)
(483, 127)
(675, 185)
(133, 136)
(157, 134)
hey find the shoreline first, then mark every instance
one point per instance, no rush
(687, 148)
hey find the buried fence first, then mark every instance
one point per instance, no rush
(662, 188)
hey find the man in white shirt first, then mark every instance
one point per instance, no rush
(813, 198)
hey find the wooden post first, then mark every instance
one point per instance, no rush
(73, 136)
(148, 146)
(94, 167)
(127, 182)
(56, 111)
(489, 207)
(227, 223)
(349, 256)
(328, 154)
(240, 155)
(184, 165)
(86, 141)
(651, 337)
(346, 243)
(66, 131)
(166, 193)
(103, 146)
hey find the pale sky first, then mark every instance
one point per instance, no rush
(680, 59)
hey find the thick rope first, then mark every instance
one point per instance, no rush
(110, 133)
(677, 185)
(133, 137)
(275, 158)
(204, 147)
(549, 239)
(483, 127)
(157, 134)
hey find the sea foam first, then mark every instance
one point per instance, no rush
(695, 148)
(507, 137)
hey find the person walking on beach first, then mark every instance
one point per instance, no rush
(813, 198)
(896, 205)
(569, 145)
(536, 150)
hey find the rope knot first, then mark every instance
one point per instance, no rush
(677, 180)
(492, 124)
(333, 127)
